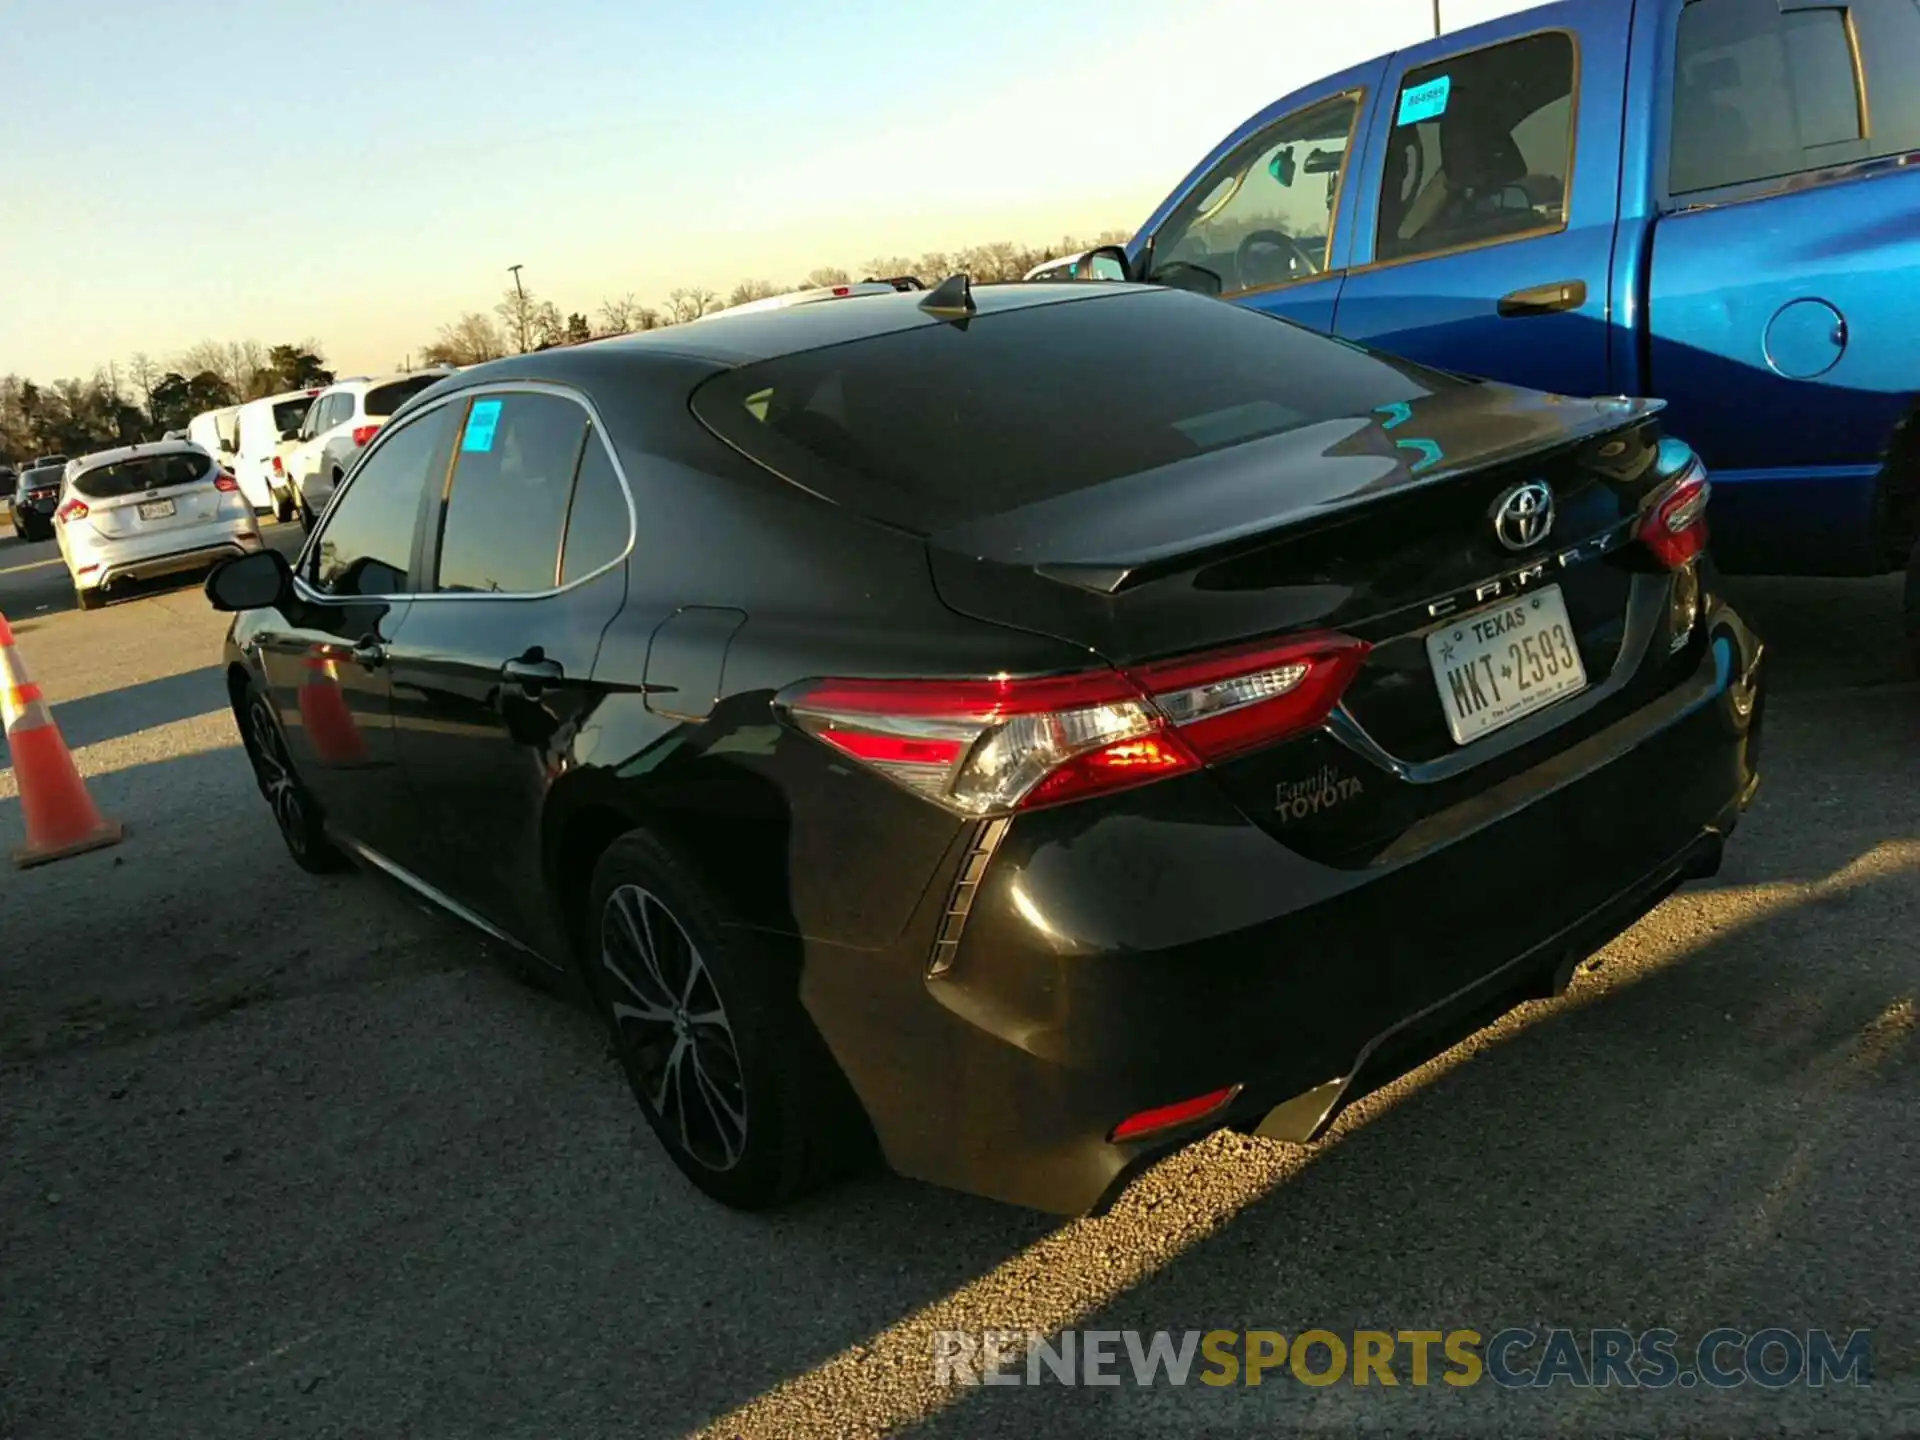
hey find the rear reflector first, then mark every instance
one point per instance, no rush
(363, 433)
(981, 747)
(1675, 525)
(1168, 1117)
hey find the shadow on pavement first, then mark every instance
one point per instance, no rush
(111, 714)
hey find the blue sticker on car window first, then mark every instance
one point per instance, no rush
(1425, 102)
(482, 421)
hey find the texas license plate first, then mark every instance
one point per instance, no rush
(155, 509)
(1499, 664)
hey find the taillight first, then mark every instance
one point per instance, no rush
(226, 482)
(278, 469)
(75, 509)
(984, 746)
(363, 433)
(1675, 525)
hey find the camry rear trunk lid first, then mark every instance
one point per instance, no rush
(1148, 475)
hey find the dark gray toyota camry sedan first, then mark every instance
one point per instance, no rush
(1018, 730)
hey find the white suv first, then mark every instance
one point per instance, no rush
(345, 408)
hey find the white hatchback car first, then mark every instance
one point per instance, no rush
(354, 409)
(147, 510)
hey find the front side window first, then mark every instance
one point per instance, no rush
(1481, 148)
(1764, 90)
(290, 414)
(507, 502)
(1264, 215)
(366, 545)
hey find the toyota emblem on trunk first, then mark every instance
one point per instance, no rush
(1523, 516)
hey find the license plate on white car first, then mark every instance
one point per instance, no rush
(155, 509)
(1505, 662)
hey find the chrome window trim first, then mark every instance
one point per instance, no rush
(502, 387)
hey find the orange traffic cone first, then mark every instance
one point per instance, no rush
(61, 817)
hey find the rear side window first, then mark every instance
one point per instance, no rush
(149, 472)
(1762, 92)
(507, 505)
(938, 425)
(383, 400)
(1481, 149)
(598, 525)
(289, 413)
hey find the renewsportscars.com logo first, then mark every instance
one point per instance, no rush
(1516, 1358)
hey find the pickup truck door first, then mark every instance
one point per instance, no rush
(1485, 206)
(1266, 220)
(1783, 296)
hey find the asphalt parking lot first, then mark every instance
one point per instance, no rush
(285, 1155)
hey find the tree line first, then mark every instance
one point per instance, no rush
(144, 398)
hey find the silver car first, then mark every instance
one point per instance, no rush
(148, 510)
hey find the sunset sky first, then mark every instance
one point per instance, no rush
(361, 173)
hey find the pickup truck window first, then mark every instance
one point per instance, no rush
(1264, 215)
(1762, 92)
(1485, 150)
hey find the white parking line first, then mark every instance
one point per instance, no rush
(32, 565)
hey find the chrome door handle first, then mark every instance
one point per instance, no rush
(532, 673)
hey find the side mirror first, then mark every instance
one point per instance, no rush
(258, 581)
(1179, 275)
(1106, 262)
(292, 432)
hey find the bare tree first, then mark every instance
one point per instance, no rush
(549, 326)
(748, 291)
(517, 311)
(690, 303)
(143, 373)
(823, 276)
(619, 315)
(470, 340)
(885, 267)
(934, 266)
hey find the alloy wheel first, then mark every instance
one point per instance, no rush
(275, 771)
(669, 1014)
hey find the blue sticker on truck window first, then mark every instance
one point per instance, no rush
(1425, 102)
(482, 421)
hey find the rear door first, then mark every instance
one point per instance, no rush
(326, 658)
(492, 678)
(1484, 229)
(1785, 268)
(1266, 220)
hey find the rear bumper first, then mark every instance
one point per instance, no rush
(196, 552)
(1122, 956)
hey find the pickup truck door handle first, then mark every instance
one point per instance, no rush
(1544, 299)
(370, 653)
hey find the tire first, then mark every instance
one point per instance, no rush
(294, 811)
(88, 599)
(705, 1016)
(307, 516)
(1913, 607)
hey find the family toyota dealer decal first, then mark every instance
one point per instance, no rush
(1515, 1358)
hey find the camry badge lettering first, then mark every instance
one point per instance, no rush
(1517, 580)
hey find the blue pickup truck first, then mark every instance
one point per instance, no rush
(1716, 202)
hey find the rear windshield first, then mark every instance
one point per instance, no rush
(940, 425)
(149, 472)
(289, 413)
(383, 400)
(41, 478)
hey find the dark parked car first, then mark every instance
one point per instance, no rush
(34, 497)
(1026, 729)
